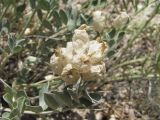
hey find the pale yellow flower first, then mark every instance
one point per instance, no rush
(57, 64)
(70, 74)
(98, 21)
(97, 51)
(121, 20)
(95, 72)
(82, 58)
(81, 35)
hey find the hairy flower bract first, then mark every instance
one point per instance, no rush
(81, 58)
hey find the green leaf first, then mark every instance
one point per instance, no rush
(35, 109)
(8, 98)
(89, 97)
(158, 63)
(146, 2)
(5, 26)
(63, 16)
(65, 1)
(14, 105)
(43, 90)
(136, 4)
(50, 100)
(71, 24)
(10, 93)
(8, 2)
(17, 49)
(11, 42)
(21, 104)
(15, 45)
(21, 8)
(74, 13)
(120, 36)
(85, 102)
(7, 87)
(95, 96)
(21, 94)
(21, 42)
(31, 59)
(78, 22)
(4, 118)
(83, 18)
(60, 98)
(1, 50)
(111, 53)
(39, 14)
(32, 3)
(111, 43)
(13, 113)
(112, 33)
(57, 19)
(63, 98)
(43, 4)
(6, 115)
(15, 118)
(47, 24)
(68, 99)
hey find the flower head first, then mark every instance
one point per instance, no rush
(121, 20)
(98, 21)
(82, 58)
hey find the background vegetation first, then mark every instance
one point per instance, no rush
(30, 30)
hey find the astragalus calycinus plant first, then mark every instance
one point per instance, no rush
(41, 79)
(82, 58)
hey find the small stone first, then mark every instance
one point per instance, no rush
(99, 116)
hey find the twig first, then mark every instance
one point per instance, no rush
(3, 63)
(123, 51)
(37, 83)
(129, 62)
(28, 22)
(30, 112)
(122, 79)
(4, 83)
(61, 32)
(4, 12)
(43, 37)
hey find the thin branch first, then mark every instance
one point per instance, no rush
(4, 12)
(30, 112)
(122, 79)
(4, 61)
(4, 83)
(139, 31)
(37, 83)
(28, 22)
(129, 62)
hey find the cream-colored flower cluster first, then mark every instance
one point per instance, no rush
(99, 21)
(82, 58)
(121, 20)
